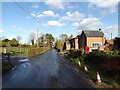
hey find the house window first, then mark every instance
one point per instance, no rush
(96, 44)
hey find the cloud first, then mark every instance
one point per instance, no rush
(103, 3)
(110, 5)
(75, 24)
(88, 23)
(28, 17)
(1, 31)
(35, 6)
(32, 14)
(55, 4)
(17, 28)
(48, 13)
(54, 23)
(111, 29)
(75, 16)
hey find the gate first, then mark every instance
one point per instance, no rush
(6, 57)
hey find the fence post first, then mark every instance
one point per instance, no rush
(9, 57)
(4, 50)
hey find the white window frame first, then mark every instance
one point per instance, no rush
(100, 44)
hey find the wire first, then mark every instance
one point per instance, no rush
(25, 11)
(36, 19)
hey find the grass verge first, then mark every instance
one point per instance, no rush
(92, 69)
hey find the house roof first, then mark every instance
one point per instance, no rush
(93, 33)
(110, 41)
(69, 38)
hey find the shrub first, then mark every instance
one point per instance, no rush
(111, 66)
(36, 51)
(113, 52)
(76, 60)
(108, 63)
(75, 54)
(97, 57)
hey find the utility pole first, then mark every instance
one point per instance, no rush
(111, 36)
(37, 31)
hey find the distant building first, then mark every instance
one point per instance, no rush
(109, 41)
(94, 39)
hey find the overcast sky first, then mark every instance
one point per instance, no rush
(59, 18)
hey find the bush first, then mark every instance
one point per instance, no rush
(76, 60)
(108, 63)
(97, 57)
(75, 54)
(111, 67)
(37, 51)
(113, 52)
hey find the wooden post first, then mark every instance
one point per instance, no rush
(8, 57)
(4, 50)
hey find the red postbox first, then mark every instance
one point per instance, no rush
(86, 49)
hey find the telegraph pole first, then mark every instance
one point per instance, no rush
(37, 31)
(111, 36)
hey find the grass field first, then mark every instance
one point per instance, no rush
(16, 50)
(24, 51)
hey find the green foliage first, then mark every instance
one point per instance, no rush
(76, 60)
(59, 44)
(19, 53)
(113, 52)
(49, 39)
(17, 50)
(75, 54)
(42, 41)
(24, 45)
(37, 51)
(14, 42)
(32, 41)
(106, 63)
(6, 42)
(32, 38)
(97, 57)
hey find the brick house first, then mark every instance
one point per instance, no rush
(72, 43)
(94, 39)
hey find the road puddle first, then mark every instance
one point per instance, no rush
(23, 60)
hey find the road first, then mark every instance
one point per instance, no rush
(48, 70)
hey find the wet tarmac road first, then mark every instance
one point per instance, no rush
(48, 70)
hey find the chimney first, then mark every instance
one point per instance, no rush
(100, 29)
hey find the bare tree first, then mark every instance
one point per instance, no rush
(31, 38)
(63, 36)
(19, 38)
